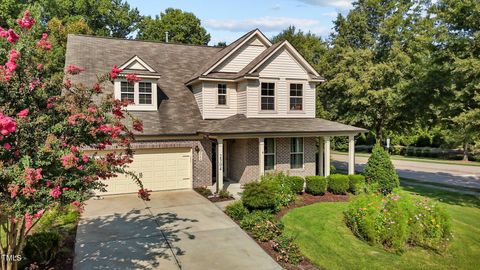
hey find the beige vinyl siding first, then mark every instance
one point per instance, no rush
(242, 57)
(197, 92)
(242, 97)
(283, 65)
(211, 109)
(282, 100)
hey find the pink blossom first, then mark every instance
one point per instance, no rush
(11, 36)
(3, 33)
(78, 206)
(72, 69)
(32, 176)
(68, 83)
(114, 72)
(74, 149)
(7, 146)
(39, 213)
(138, 125)
(55, 192)
(28, 191)
(26, 22)
(13, 55)
(23, 113)
(28, 221)
(7, 125)
(10, 66)
(48, 183)
(13, 189)
(39, 67)
(132, 78)
(43, 43)
(85, 158)
(97, 88)
(69, 160)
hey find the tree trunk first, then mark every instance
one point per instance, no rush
(379, 133)
(465, 151)
(15, 234)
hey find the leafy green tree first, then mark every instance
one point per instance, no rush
(221, 44)
(374, 60)
(182, 27)
(380, 170)
(457, 67)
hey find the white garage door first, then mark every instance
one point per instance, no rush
(160, 169)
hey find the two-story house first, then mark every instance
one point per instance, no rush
(215, 114)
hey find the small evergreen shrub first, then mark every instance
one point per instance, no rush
(296, 183)
(338, 183)
(260, 196)
(224, 194)
(42, 247)
(380, 170)
(398, 220)
(205, 192)
(236, 210)
(356, 183)
(316, 185)
(287, 250)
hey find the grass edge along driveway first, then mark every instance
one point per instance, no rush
(323, 237)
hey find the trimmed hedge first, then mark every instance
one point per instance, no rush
(338, 183)
(357, 183)
(316, 185)
(296, 183)
(259, 196)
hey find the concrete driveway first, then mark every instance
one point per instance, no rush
(174, 230)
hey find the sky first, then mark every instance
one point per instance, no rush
(228, 20)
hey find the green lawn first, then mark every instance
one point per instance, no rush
(328, 243)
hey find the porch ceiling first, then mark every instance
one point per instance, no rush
(241, 125)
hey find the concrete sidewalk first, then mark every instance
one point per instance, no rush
(175, 230)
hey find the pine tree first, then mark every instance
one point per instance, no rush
(381, 171)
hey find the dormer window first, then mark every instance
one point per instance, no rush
(222, 94)
(145, 93)
(128, 92)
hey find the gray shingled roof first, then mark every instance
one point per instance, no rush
(239, 124)
(178, 112)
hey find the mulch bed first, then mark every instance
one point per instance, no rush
(218, 199)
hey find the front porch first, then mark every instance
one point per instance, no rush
(240, 160)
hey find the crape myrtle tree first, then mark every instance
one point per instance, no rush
(44, 125)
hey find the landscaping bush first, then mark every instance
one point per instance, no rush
(380, 170)
(281, 186)
(205, 192)
(236, 210)
(42, 247)
(356, 183)
(296, 183)
(251, 219)
(260, 196)
(266, 230)
(338, 183)
(224, 194)
(316, 185)
(287, 250)
(395, 220)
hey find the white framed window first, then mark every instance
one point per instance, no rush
(267, 96)
(145, 93)
(296, 97)
(269, 153)
(141, 94)
(222, 94)
(127, 92)
(296, 153)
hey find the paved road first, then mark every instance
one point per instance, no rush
(175, 230)
(467, 176)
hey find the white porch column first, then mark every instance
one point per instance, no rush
(351, 154)
(320, 156)
(225, 160)
(326, 146)
(261, 157)
(219, 164)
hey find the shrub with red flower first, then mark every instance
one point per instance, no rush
(132, 78)
(45, 132)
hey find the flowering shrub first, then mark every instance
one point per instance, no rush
(395, 220)
(287, 250)
(44, 125)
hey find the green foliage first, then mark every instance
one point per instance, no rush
(380, 170)
(266, 230)
(224, 194)
(260, 196)
(282, 187)
(287, 250)
(397, 220)
(296, 183)
(356, 183)
(316, 185)
(251, 219)
(204, 191)
(182, 27)
(338, 183)
(236, 210)
(42, 247)
(423, 140)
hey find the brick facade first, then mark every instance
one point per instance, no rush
(242, 160)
